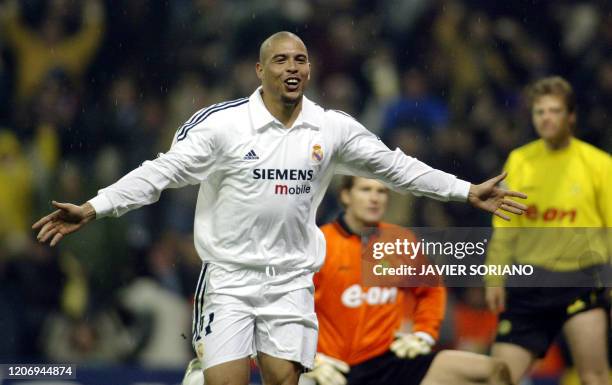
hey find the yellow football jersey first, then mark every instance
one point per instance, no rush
(569, 217)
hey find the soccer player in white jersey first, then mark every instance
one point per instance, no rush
(263, 164)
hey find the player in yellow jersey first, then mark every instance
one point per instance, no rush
(569, 184)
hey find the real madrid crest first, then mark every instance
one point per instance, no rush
(317, 153)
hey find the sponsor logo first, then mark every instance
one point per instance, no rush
(550, 214)
(354, 296)
(251, 155)
(283, 189)
(283, 174)
(317, 153)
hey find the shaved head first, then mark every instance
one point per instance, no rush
(284, 71)
(264, 48)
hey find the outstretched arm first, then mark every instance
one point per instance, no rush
(189, 161)
(67, 219)
(362, 154)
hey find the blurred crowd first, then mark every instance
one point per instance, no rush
(89, 89)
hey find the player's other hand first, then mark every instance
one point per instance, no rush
(67, 219)
(328, 370)
(410, 345)
(489, 196)
(496, 299)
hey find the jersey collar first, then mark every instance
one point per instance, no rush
(342, 226)
(261, 118)
(345, 230)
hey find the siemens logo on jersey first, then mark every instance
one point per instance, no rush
(354, 296)
(282, 174)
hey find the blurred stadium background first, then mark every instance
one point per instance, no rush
(90, 89)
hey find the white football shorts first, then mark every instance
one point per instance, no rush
(239, 313)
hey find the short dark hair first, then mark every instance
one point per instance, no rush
(553, 85)
(347, 182)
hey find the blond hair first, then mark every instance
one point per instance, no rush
(553, 85)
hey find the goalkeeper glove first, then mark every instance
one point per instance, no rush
(194, 375)
(410, 345)
(328, 370)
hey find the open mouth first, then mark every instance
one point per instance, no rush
(292, 83)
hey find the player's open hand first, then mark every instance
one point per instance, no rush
(67, 219)
(489, 196)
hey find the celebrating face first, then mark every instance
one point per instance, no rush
(284, 69)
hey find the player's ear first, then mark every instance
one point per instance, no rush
(345, 199)
(572, 121)
(259, 70)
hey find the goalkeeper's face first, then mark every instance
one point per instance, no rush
(366, 201)
(551, 119)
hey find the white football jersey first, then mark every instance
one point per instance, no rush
(261, 183)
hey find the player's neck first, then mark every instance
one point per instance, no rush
(286, 113)
(558, 143)
(355, 225)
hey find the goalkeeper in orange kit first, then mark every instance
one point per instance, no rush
(359, 341)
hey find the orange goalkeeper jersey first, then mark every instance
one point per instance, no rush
(356, 322)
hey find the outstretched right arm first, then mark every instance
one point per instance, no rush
(67, 219)
(189, 161)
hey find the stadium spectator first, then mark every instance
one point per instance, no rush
(465, 40)
(16, 192)
(168, 318)
(51, 46)
(417, 108)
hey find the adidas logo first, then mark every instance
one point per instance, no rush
(251, 155)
